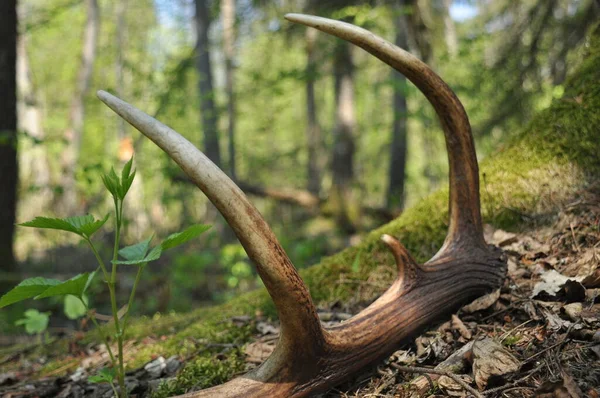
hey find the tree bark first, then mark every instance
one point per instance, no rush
(205, 83)
(34, 166)
(69, 202)
(228, 20)
(313, 130)
(341, 200)
(450, 30)
(8, 131)
(398, 149)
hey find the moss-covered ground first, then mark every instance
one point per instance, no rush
(541, 166)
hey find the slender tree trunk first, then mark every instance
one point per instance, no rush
(450, 30)
(205, 83)
(135, 208)
(69, 202)
(228, 20)
(313, 130)
(397, 172)
(8, 131)
(35, 169)
(341, 197)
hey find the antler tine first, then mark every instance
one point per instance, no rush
(300, 326)
(465, 218)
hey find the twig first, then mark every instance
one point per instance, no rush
(414, 369)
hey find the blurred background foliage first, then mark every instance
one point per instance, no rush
(303, 124)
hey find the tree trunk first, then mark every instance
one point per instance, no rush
(69, 203)
(35, 169)
(228, 20)
(397, 172)
(205, 84)
(450, 30)
(8, 131)
(313, 130)
(341, 200)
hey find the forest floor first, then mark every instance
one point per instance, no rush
(539, 335)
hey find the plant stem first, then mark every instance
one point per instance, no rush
(113, 299)
(132, 295)
(114, 389)
(98, 258)
(101, 331)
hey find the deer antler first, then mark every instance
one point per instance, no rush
(309, 358)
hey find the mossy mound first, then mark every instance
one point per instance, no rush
(537, 170)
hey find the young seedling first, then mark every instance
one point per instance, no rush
(138, 255)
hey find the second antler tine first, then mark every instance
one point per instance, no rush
(299, 321)
(407, 266)
(465, 227)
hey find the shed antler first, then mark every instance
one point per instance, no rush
(310, 358)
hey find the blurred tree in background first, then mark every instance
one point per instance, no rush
(328, 141)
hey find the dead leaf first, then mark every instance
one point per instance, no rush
(491, 359)
(451, 387)
(573, 311)
(557, 286)
(482, 303)
(554, 322)
(457, 324)
(258, 351)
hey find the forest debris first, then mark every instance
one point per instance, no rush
(554, 286)
(564, 388)
(156, 367)
(7, 378)
(491, 359)
(266, 328)
(554, 322)
(482, 303)
(258, 351)
(451, 387)
(457, 324)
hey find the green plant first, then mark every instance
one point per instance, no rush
(34, 322)
(138, 255)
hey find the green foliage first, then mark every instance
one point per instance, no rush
(35, 322)
(75, 307)
(75, 286)
(28, 288)
(106, 375)
(84, 226)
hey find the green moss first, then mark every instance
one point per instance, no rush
(534, 173)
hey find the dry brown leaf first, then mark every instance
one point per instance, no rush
(258, 351)
(457, 324)
(482, 303)
(490, 358)
(451, 387)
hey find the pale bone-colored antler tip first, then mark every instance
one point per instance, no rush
(300, 327)
(407, 266)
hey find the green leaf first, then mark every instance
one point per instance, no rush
(28, 288)
(74, 308)
(126, 170)
(51, 223)
(111, 182)
(75, 286)
(137, 251)
(81, 225)
(152, 256)
(180, 238)
(126, 184)
(34, 321)
(90, 228)
(106, 375)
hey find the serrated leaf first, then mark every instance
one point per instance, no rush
(80, 221)
(186, 235)
(104, 376)
(126, 184)
(51, 223)
(137, 251)
(28, 288)
(73, 307)
(34, 321)
(152, 256)
(75, 286)
(90, 228)
(126, 170)
(111, 182)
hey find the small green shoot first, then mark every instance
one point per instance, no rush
(74, 289)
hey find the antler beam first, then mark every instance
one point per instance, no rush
(309, 358)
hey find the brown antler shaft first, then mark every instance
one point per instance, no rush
(308, 358)
(465, 217)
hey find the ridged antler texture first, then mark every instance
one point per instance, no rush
(310, 358)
